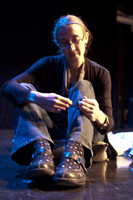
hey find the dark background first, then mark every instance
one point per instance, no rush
(25, 37)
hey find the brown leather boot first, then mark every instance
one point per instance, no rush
(71, 171)
(42, 165)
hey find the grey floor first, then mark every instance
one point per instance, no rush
(105, 180)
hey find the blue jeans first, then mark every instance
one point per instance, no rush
(31, 122)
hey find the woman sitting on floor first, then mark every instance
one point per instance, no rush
(73, 103)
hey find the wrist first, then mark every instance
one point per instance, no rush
(100, 118)
(104, 124)
(30, 97)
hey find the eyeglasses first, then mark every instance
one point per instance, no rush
(66, 44)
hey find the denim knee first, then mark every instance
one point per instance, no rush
(84, 87)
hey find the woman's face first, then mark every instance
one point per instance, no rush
(70, 36)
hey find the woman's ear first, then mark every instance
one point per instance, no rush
(86, 37)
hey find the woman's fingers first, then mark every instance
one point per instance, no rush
(55, 103)
(92, 102)
(61, 104)
(64, 99)
(85, 106)
(89, 107)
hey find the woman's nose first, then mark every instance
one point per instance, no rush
(71, 46)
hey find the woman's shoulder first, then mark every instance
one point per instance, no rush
(47, 62)
(94, 65)
(96, 70)
(54, 58)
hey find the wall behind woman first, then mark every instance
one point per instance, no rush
(25, 36)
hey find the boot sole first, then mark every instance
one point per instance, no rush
(69, 182)
(39, 174)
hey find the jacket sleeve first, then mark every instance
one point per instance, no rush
(13, 91)
(104, 98)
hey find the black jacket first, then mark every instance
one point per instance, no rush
(48, 72)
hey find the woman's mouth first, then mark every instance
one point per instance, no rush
(73, 54)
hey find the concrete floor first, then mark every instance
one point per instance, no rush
(105, 180)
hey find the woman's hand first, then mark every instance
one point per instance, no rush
(49, 101)
(90, 107)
